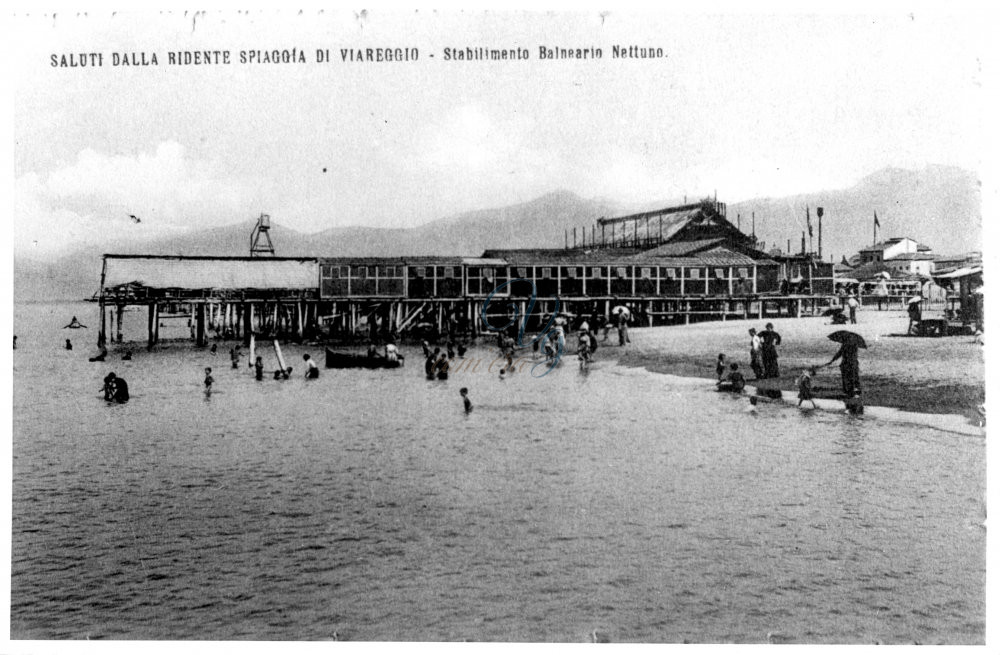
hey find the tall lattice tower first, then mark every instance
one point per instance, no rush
(260, 238)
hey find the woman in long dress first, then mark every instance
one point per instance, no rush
(850, 373)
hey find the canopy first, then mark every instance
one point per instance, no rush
(848, 338)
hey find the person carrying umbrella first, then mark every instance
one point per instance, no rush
(850, 372)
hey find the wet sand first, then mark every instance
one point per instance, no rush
(929, 375)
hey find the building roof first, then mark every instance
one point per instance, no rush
(912, 256)
(686, 210)
(870, 271)
(420, 260)
(967, 271)
(683, 248)
(882, 246)
(679, 254)
(166, 272)
(713, 257)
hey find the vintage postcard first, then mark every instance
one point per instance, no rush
(522, 326)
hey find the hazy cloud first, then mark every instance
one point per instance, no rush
(82, 201)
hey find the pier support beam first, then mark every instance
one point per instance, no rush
(118, 320)
(199, 318)
(101, 334)
(247, 322)
(153, 330)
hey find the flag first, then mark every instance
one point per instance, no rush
(809, 224)
(877, 224)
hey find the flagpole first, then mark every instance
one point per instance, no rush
(810, 228)
(819, 218)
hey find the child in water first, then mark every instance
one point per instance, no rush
(720, 367)
(464, 391)
(854, 404)
(804, 383)
(208, 381)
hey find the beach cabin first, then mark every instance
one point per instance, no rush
(362, 277)
(434, 277)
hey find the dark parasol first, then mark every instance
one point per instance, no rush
(848, 338)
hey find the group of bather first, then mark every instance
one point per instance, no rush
(437, 363)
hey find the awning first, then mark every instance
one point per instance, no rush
(960, 272)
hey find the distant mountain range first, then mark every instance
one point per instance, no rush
(939, 206)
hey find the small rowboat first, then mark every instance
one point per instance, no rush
(335, 359)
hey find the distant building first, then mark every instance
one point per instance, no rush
(946, 263)
(890, 248)
(914, 263)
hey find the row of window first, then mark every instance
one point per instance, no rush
(595, 272)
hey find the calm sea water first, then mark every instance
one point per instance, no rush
(368, 506)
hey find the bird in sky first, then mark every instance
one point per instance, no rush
(135, 219)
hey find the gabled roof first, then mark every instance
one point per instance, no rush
(688, 211)
(683, 248)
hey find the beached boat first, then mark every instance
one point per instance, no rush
(335, 359)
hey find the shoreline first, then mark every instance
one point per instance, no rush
(949, 422)
(940, 376)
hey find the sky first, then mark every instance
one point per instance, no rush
(742, 106)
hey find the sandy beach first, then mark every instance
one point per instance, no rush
(931, 375)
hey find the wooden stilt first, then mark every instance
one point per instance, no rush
(247, 317)
(101, 334)
(151, 322)
(199, 320)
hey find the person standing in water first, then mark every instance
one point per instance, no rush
(804, 384)
(208, 381)
(464, 392)
(850, 371)
(442, 367)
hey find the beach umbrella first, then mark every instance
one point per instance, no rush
(849, 338)
(621, 309)
(915, 299)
